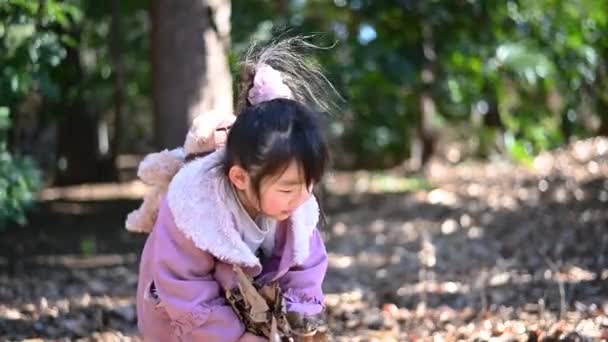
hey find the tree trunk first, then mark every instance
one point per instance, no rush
(491, 136)
(189, 62)
(77, 145)
(425, 138)
(119, 77)
(78, 155)
(600, 88)
(82, 156)
(602, 112)
(282, 12)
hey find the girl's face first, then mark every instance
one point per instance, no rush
(279, 196)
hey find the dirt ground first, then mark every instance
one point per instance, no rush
(480, 251)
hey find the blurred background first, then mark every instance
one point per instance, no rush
(468, 193)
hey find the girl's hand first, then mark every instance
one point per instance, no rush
(249, 337)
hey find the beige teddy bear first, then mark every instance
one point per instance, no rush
(208, 132)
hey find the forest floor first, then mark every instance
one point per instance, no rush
(477, 251)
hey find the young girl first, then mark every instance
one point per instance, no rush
(248, 204)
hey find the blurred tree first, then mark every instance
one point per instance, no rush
(494, 76)
(516, 77)
(60, 76)
(29, 53)
(190, 64)
(94, 89)
(118, 68)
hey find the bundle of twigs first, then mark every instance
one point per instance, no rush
(261, 309)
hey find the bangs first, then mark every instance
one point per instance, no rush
(267, 137)
(300, 145)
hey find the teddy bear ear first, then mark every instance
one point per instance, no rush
(204, 125)
(227, 121)
(202, 135)
(221, 137)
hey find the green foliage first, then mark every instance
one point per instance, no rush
(19, 180)
(88, 246)
(32, 45)
(519, 77)
(538, 62)
(97, 86)
(37, 37)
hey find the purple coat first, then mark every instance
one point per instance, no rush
(187, 262)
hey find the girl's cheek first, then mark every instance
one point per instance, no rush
(305, 196)
(278, 202)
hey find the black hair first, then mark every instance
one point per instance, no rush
(266, 137)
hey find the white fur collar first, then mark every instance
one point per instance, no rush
(197, 196)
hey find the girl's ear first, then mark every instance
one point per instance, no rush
(239, 177)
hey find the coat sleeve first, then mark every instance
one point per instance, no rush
(186, 288)
(302, 284)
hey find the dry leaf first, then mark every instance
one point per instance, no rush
(274, 331)
(262, 311)
(258, 308)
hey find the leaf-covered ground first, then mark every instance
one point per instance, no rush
(485, 252)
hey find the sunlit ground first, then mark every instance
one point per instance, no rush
(472, 252)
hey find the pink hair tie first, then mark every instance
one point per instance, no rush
(268, 85)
